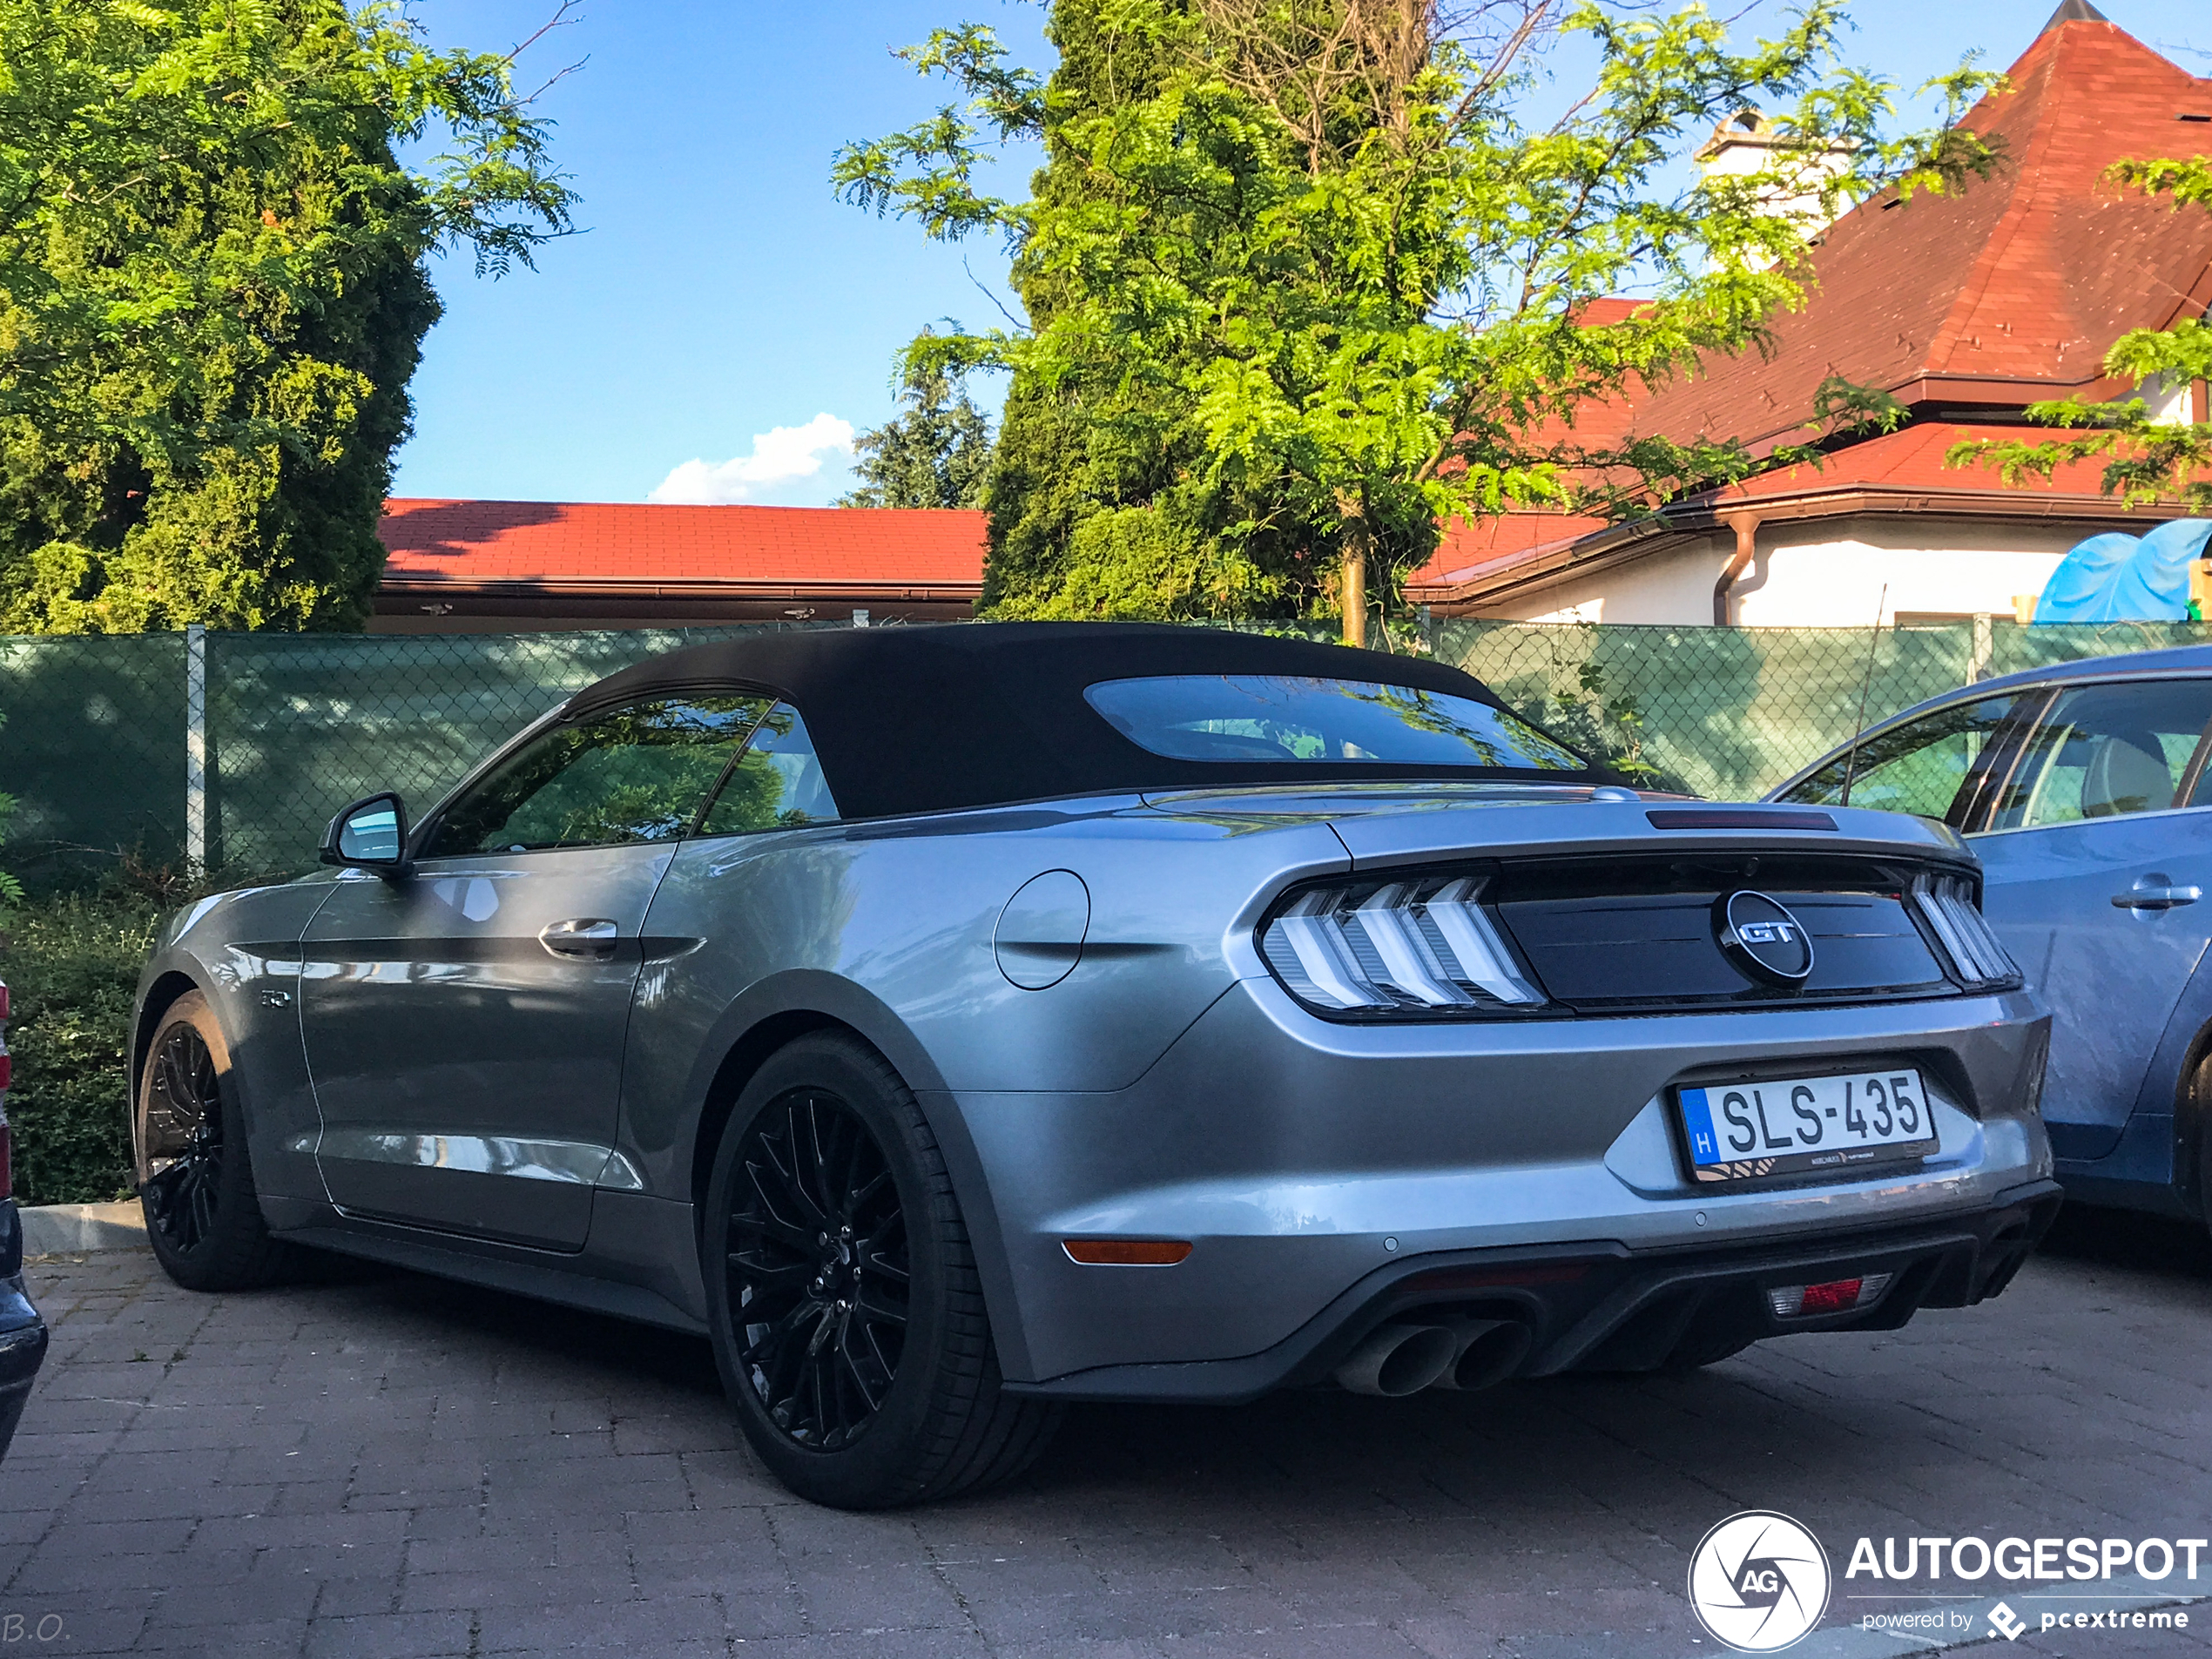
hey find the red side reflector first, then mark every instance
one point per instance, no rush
(1125, 1252)
(7, 1066)
(3, 1001)
(1832, 1297)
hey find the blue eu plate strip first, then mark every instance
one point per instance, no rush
(1705, 1145)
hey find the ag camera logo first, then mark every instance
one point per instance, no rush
(1759, 1582)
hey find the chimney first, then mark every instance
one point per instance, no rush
(1747, 143)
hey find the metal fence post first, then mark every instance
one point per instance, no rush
(1985, 647)
(196, 747)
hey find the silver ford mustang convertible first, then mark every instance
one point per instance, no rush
(952, 1022)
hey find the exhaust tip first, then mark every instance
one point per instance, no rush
(1485, 1353)
(1393, 1360)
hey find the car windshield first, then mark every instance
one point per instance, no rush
(1279, 717)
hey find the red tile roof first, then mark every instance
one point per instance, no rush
(1901, 472)
(565, 543)
(2008, 290)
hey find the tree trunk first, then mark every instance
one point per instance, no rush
(1351, 590)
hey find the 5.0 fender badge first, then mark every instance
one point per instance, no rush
(1763, 941)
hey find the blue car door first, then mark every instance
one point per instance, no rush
(2097, 842)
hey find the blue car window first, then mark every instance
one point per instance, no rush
(2106, 751)
(1280, 717)
(1932, 767)
(638, 774)
(776, 784)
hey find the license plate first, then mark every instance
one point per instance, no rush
(1781, 1126)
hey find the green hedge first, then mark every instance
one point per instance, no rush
(72, 966)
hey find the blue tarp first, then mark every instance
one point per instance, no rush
(2126, 578)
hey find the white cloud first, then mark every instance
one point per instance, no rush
(787, 454)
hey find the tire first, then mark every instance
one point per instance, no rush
(873, 1381)
(195, 1175)
(2193, 1146)
(2204, 1171)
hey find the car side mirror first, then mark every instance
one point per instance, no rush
(371, 834)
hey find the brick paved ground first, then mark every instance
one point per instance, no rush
(389, 1466)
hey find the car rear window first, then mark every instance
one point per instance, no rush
(1244, 717)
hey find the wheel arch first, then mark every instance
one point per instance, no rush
(770, 1016)
(2193, 1124)
(746, 1055)
(168, 987)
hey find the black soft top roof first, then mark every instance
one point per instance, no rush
(932, 718)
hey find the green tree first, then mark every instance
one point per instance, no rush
(212, 294)
(2147, 459)
(1302, 285)
(935, 453)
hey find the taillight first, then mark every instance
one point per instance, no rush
(1422, 945)
(1978, 960)
(1836, 1296)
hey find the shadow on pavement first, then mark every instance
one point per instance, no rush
(544, 1329)
(2128, 1239)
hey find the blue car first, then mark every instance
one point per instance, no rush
(22, 1333)
(2085, 791)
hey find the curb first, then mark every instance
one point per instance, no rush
(77, 1228)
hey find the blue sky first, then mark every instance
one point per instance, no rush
(724, 322)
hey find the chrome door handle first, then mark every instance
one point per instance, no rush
(583, 936)
(2149, 895)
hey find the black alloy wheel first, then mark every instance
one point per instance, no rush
(195, 1171)
(184, 1139)
(843, 1298)
(818, 1272)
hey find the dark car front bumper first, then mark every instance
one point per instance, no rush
(1605, 1307)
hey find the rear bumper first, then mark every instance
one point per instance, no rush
(1298, 1159)
(1606, 1307)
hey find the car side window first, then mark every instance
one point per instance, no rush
(636, 773)
(1932, 767)
(777, 783)
(2104, 751)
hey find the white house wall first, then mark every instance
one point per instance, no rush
(1819, 578)
(1817, 574)
(1674, 587)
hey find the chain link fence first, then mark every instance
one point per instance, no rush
(99, 744)
(1730, 712)
(98, 751)
(93, 750)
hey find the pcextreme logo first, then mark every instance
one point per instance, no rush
(1759, 1582)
